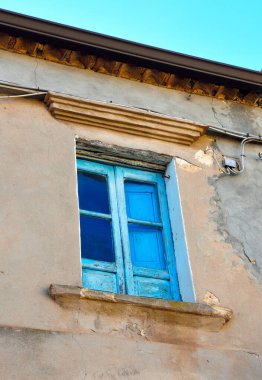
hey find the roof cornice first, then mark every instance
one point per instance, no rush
(135, 53)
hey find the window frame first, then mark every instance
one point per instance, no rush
(125, 173)
(172, 206)
(184, 271)
(117, 267)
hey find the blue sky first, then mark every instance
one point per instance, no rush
(226, 31)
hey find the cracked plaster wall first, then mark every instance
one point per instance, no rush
(222, 217)
(40, 74)
(96, 358)
(239, 202)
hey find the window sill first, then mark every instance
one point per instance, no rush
(197, 315)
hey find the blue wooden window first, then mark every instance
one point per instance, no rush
(126, 240)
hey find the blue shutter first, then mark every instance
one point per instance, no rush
(146, 235)
(101, 252)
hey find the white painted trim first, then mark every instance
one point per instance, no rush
(184, 272)
(78, 211)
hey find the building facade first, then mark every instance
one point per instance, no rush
(178, 140)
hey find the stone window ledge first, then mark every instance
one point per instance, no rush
(197, 315)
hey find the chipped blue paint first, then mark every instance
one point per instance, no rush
(161, 246)
(92, 277)
(145, 262)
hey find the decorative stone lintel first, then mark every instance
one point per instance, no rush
(124, 119)
(211, 318)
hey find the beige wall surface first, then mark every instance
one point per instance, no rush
(43, 75)
(40, 245)
(44, 355)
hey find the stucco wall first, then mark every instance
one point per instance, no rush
(44, 355)
(40, 74)
(40, 239)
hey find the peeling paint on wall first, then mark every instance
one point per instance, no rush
(203, 158)
(188, 166)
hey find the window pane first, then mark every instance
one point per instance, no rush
(147, 248)
(93, 192)
(96, 239)
(142, 201)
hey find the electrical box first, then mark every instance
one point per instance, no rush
(230, 163)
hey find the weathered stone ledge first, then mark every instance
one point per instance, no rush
(124, 119)
(188, 314)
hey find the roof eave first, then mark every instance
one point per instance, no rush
(139, 54)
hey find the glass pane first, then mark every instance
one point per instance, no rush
(147, 248)
(142, 201)
(96, 239)
(93, 192)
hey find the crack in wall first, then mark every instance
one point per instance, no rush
(35, 73)
(83, 358)
(252, 353)
(220, 218)
(188, 162)
(215, 114)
